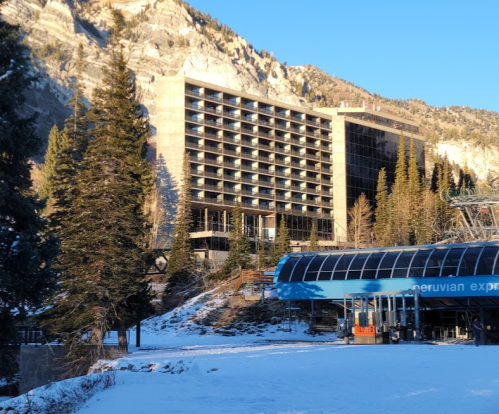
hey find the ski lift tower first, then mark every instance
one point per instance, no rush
(478, 214)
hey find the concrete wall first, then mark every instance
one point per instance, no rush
(39, 366)
(340, 211)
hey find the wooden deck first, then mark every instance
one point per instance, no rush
(255, 278)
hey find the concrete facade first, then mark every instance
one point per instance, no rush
(277, 160)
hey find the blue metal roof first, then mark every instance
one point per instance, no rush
(437, 270)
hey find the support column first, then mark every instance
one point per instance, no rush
(206, 219)
(416, 311)
(260, 226)
(225, 221)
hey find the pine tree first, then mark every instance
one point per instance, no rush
(77, 123)
(399, 199)
(414, 192)
(181, 262)
(103, 246)
(313, 242)
(48, 167)
(445, 215)
(26, 249)
(360, 223)
(262, 259)
(382, 225)
(282, 243)
(239, 247)
(426, 218)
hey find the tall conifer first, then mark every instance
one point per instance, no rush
(282, 243)
(26, 249)
(360, 224)
(104, 252)
(382, 225)
(399, 199)
(239, 247)
(313, 242)
(414, 193)
(182, 262)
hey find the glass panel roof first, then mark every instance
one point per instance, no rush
(397, 262)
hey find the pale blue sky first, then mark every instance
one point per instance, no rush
(443, 52)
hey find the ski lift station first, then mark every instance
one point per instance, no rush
(400, 293)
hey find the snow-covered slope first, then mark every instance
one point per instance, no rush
(182, 369)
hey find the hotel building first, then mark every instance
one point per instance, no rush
(279, 161)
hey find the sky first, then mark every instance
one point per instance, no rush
(443, 52)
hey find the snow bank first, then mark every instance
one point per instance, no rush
(62, 397)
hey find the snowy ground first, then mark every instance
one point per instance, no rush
(184, 368)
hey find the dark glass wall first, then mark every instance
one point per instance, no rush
(367, 151)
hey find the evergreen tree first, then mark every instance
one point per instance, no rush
(181, 262)
(282, 243)
(26, 250)
(382, 225)
(414, 192)
(262, 255)
(77, 123)
(103, 246)
(239, 247)
(48, 167)
(445, 215)
(399, 199)
(360, 223)
(63, 186)
(313, 242)
(426, 218)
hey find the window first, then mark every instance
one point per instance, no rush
(371, 266)
(386, 266)
(419, 262)
(285, 272)
(452, 262)
(357, 265)
(402, 264)
(342, 267)
(313, 268)
(299, 270)
(485, 265)
(328, 266)
(435, 262)
(468, 262)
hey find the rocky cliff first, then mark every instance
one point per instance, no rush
(169, 37)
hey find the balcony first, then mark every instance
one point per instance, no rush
(194, 106)
(194, 132)
(232, 102)
(212, 174)
(195, 119)
(195, 171)
(248, 168)
(231, 152)
(213, 188)
(212, 161)
(249, 155)
(283, 186)
(233, 140)
(231, 177)
(213, 135)
(192, 92)
(249, 180)
(193, 145)
(232, 115)
(282, 150)
(232, 127)
(211, 97)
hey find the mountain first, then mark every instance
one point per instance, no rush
(169, 37)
